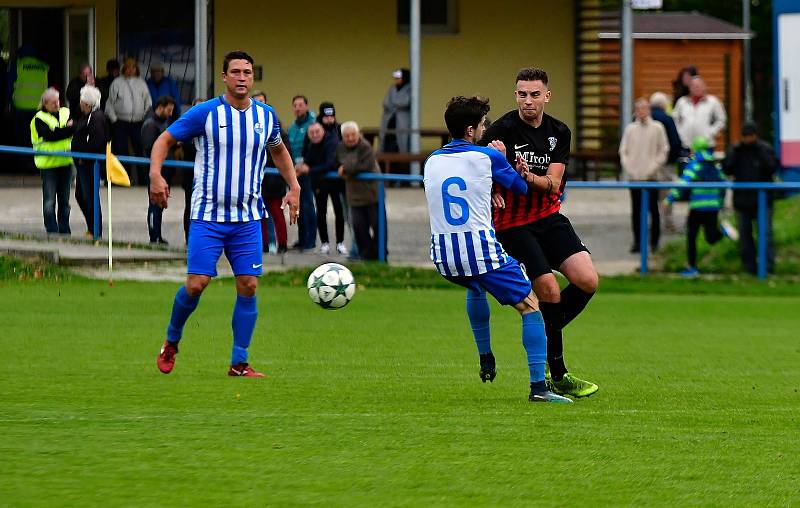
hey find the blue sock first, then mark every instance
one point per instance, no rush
(243, 323)
(182, 308)
(534, 340)
(478, 312)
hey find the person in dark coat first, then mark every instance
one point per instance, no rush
(751, 160)
(73, 94)
(91, 136)
(659, 102)
(152, 128)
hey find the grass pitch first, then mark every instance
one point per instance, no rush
(380, 404)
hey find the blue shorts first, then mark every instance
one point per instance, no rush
(241, 242)
(508, 284)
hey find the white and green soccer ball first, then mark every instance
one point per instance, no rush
(331, 286)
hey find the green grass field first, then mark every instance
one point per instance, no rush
(380, 404)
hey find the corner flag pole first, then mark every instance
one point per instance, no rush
(110, 239)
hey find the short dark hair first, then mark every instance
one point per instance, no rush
(463, 112)
(235, 55)
(165, 100)
(532, 74)
(305, 99)
(112, 64)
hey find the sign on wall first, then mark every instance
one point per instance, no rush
(647, 4)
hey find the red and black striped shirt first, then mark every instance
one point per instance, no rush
(539, 146)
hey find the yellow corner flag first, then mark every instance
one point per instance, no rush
(116, 173)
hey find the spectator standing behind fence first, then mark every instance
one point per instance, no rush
(659, 103)
(327, 117)
(699, 115)
(397, 113)
(161, 85)
(319, 158)
(151, 130)
(643, 152)
(307, 222)
(73, 95)
(273, 188)
(91, 136)
(104, 83)
(355, 156)
(751, 160)
(704, 204)
(128, 105)
(51, 131)
(680, 85)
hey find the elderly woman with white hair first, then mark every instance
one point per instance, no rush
(91, 136)
(355, 156)
(51, 130)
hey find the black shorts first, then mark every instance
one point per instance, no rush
(543, 245)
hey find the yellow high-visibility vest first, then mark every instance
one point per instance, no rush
(63, 145)
(30, 84)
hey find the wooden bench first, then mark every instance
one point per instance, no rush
(385, 159)
(371, 134)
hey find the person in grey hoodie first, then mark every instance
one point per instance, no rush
(128, 104)
(397, 113)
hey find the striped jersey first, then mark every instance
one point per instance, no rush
(458, 186)
(231, 156)
(701, 168)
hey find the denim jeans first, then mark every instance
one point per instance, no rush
(55, 190)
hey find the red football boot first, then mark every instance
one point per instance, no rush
(166, 358)
(243, 370)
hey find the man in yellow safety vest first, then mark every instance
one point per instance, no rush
(51, 131)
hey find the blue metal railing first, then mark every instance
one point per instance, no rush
(762, 187)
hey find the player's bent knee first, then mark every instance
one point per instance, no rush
(246, 285)
(195, 284)
(589, 282)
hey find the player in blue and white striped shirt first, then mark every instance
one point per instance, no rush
(458, 187)
(232, 134)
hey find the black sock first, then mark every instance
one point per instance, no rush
(551, 312)
(538, 387)
(573, 301)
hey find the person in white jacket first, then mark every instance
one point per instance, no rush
(699, 114)
(643, 152)
(128, 105)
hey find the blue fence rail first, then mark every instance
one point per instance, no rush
(762, 187)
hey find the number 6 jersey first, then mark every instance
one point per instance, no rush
(458, 186)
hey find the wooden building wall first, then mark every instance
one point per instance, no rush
(656, 64)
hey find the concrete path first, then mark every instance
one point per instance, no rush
(601, 218)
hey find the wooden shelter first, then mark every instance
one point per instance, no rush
(668, 41)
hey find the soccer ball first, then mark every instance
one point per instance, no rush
(331, 286)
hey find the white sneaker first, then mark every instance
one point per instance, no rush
(341, 249)
(325, 248)
(728, 230)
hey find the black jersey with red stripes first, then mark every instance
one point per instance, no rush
(539, 146)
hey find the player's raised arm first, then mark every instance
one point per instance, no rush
(159, 190)
(505, 175)
(550, 182)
